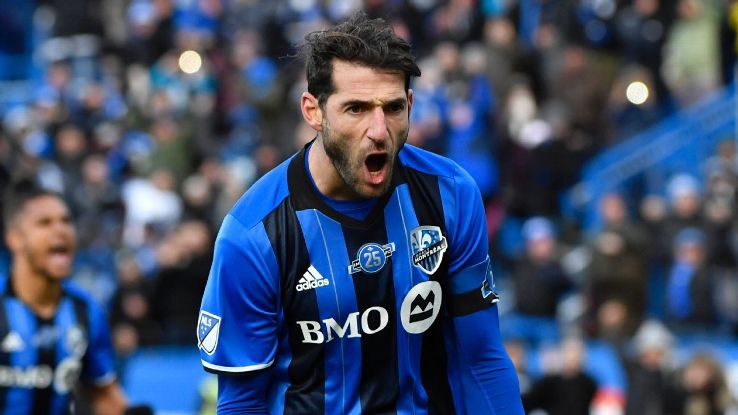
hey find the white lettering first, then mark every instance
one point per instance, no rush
(312, 333)
(351, 323)
(307, 332)
(312, 284)
(31, 377)
(383, 320)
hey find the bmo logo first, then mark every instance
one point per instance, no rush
(372, 320)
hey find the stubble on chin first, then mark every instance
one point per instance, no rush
(336, 148)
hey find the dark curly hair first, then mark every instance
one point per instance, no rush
(359, 40)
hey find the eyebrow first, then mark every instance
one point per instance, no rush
(365, 103)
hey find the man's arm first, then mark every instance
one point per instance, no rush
(107, 399)
(489, 381)
(237, 326)
(243, 394)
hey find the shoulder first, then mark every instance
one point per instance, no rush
(426, 162)
(262, 197)
(82, 297)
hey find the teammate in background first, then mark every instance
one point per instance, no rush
(52, 335)
(354, 277)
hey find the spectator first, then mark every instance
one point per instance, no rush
(691, 70)
(534, 316)
(570, 390)
(539, 267)
(685, 209)
(184, 261)
(702, 388)
(650, 371)
(691, 283)
(617, 275)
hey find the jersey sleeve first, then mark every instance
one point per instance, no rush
(99, 361)
(237, 325)
(470, 284)
(488, 377)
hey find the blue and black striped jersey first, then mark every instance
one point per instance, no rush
(43, 360)
(347, 315)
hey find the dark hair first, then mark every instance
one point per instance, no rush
(18, 193)
(360, 40)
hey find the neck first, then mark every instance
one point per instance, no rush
(40, 293)
(324, 174)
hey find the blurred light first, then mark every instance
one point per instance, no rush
(190, 61)
(637, 93)
(605, 9)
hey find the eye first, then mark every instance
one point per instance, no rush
(395, 107)
(355, 109)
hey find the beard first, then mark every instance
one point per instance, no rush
(350, 169)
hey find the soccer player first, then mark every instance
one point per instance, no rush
(52, 335)
(354, 277)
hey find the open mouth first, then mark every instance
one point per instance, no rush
(60, 251)
(375, 162)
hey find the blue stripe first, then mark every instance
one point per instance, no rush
(328, 255)
(469, 278)
(23, 322)
(400, 219)
(64, 320)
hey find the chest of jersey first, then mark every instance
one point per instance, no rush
(351, 281)
(38, 354)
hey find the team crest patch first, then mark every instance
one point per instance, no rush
(208, 328)
(371, 258)
(428, 245)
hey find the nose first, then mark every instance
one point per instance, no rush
(378, 128)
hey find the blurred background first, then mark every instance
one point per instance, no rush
(602, 135)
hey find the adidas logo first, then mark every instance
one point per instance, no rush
(12, 343)
(311, 279)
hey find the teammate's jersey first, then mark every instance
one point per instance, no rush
(42, 360)
(350, 316)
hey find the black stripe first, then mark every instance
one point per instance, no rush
(470, 302)
(425, 194)
(306, 393)
(379, 386)
(4, 356)
(46, 357)
(82, 316)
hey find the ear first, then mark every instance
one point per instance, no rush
(12, 238)
(311, 111)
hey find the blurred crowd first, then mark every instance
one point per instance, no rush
(151, 146)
